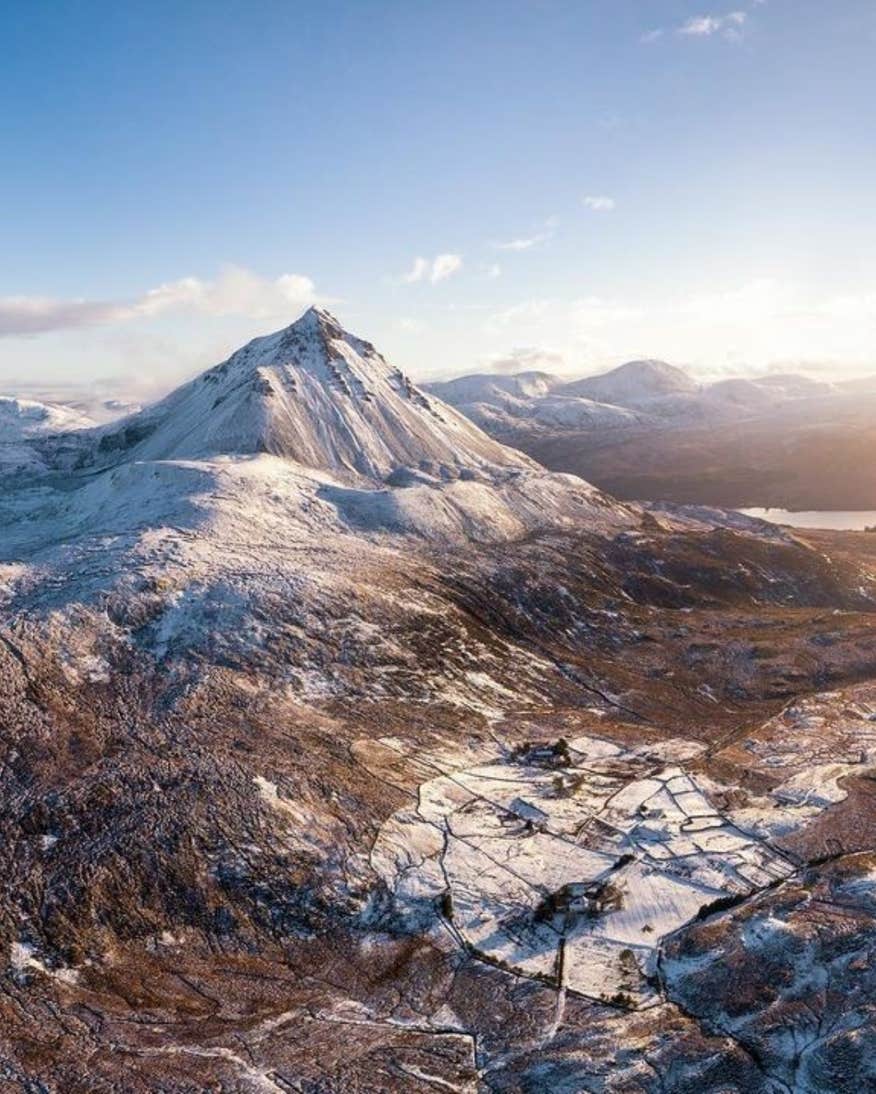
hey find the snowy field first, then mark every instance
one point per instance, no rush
(572, 862)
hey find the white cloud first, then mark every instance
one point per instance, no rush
(734, 329)
(701, 26)
(525, 359)
(410, 326)
(599, 203)
(417, 272)
(445, 266)
(594, 313)
(526, 316)
(235, 291)
(729, 26)
(704, 26)
(40, 314)
(524, 243)
(493, 271)
(437, 269)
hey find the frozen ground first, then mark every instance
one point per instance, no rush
(573, 864)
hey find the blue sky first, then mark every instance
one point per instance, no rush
(471, 185)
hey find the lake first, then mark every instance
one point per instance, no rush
(854, 520)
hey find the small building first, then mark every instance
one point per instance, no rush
(587, 899)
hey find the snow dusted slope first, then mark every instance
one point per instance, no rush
(494, 389)
(633, 383)
(302, 476)
(639, 395)
(303, 437)
(501, 404)
(23, 418)
(25, 423)
(628, 396)
(315, 394)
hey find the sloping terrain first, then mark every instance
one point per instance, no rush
(23, 420)
(634, 382)
(360, 758)
(766, 462)
(646, 431)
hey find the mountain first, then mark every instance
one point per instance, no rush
(639, 393)
(490, 387)
(345, 748)
(627, 396)
(314, 394)
(781, 440)
(23, 418)
(793, 386)
(500, 404)
(742, 392)
(314, 406)
(633, 383)
(23, 421)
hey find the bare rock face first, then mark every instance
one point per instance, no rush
(345, 749)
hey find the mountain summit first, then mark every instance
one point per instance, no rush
(315, 394)
(633, 382)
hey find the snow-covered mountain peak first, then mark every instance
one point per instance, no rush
(316, 394)
(634, 382)
(22, 418)
(314, 339)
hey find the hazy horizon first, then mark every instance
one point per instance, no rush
(139, 387)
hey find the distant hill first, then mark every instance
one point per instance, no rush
(634, 382)
(647, 430)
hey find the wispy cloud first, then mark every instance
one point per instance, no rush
(436, 269)
(599, 203)
(445, 266)
(493, 271)
(525, 243)
(729, 26)
(592, 313)
(527, 311)
(41, 314)
(525, 359)
(235, 291)
(704, 26)
(418, 272)
(855, 306)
